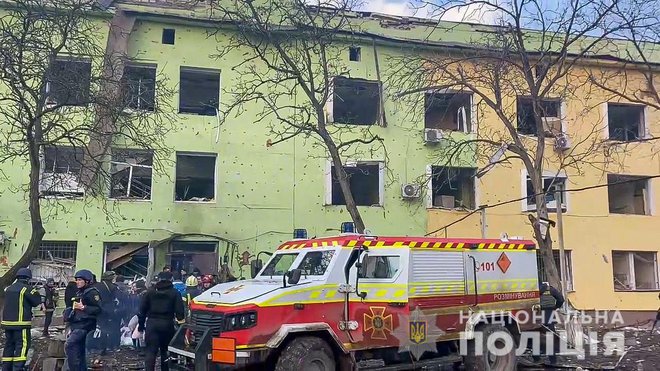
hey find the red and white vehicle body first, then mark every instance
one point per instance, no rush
(456, 283)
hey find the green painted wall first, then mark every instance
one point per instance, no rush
(262, 193)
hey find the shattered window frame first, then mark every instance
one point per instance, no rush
(178, 169)
(435, 112)
(61, 170)
(203, 107)
(525, 113)
(68, 82)
(626, 270)
(553, 181)
(616, 184)
(135, 186)
(334, 195)
(139, 87)
(624, 132)
(339, 110)
(449, 175)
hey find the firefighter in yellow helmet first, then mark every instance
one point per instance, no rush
(192, 289)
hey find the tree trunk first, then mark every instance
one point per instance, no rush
(342, 177)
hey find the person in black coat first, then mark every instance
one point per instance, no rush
(108, 320)
(81, 317)
(70, 293)
(20, 298)
(159, 307)
(50, 302)
(551, 300)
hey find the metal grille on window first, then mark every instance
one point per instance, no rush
(55, 259)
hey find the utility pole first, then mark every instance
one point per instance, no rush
(560, 232)
(483, 222)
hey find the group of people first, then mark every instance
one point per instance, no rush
(95, 311)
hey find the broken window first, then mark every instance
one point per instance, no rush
(625, 122)
(355, 101)
(380, 267)
(55, 259)
(550, 115)
(127, 258)
(354, 54)
(550, 186)
(450, 111)
(199, 91)
(61, 170)
(365, 183)
(195, 177)
(453, 187)
(635, 270)
(139, 84)
(188, 255)
(68, 82)
(168, 36)
(130, 174)
(568, 267)
(628, 194)
(315, 263)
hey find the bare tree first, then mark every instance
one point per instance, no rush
(66, 100)
(293, 70)
(519, 72)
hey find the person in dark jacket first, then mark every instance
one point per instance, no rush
(20, 298)
(551, 300)
(50, 302)
(160, 306)
(70, 293)
(82, 319)
(108, 319)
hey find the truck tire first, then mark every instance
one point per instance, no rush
(306, 353)
(487, 361)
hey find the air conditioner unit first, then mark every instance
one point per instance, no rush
(60, 183)
(432, 135)
(562, 142)
(411, 190)
(552, 125)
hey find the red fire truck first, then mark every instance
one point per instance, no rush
(365, 302)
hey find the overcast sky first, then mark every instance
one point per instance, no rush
(472, 14)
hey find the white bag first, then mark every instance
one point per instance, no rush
(137, 334)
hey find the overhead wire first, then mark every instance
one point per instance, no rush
(581, 189)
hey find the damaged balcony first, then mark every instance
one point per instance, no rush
(131, 174)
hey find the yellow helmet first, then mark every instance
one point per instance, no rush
(191, 281)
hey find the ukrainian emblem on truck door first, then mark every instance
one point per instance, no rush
(379, 323)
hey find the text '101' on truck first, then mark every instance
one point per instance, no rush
(361, 302)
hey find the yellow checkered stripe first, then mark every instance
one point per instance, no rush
(408, 244)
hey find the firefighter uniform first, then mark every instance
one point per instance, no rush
(20, 298)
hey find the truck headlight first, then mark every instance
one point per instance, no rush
(240, 321)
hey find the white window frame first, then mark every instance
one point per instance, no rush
(631, 268)
(150, 65)
(650, 196)
(429, 188)
(151, 191)
(562, 115)
(645, 129)
(568, 255)
(472, 105)
(194, 69)
(349, 163)
(44, 175)
(215, 176)
(546, 175)
(329, 103)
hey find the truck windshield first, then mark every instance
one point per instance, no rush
(279, 265)
(315, 263)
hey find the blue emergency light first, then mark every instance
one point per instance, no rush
(299, 233)
(347, 227)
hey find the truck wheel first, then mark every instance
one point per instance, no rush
(487, 360)
(306, 353)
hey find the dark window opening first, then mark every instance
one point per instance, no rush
(61, 171)
(199, 92)
(364, 182)
(168, 36)
(550, 115)
(628, 194)
(354, 54)
(139, 83)
(447, 111)
(195, 177)
(625, 122)
(550, 186)
(453, 187)
(130, 174)
(355, 101)
(193, 246)
(68, 82)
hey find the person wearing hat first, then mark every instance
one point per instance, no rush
(160, 306)
(82, 319)
(107, 320)
(20, 298)
(192, 289)
(50, 302)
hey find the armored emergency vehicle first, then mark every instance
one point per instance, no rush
(360, 302)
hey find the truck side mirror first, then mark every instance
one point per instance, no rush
(255, 267)
(294, 276)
